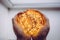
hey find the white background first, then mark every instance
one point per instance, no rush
(6, 28)
(34, 1)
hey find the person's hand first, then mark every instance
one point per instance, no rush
(18, 32)
(44, 32)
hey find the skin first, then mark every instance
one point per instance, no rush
(41, 35)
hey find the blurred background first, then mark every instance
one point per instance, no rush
(9, 8)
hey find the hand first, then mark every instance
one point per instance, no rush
(44, 32)
(19, 34)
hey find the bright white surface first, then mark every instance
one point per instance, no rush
(33, 1)
(6, 31)
(6, 28)
(3, 21)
